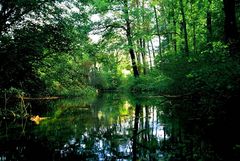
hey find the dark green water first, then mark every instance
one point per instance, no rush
(118, 127)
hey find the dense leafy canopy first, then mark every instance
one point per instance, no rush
(65, 47)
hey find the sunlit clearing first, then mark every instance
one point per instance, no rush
(125, 110)
(126, 72)
(95, 18)
(94, 37)
(100, 115)
(126, 105)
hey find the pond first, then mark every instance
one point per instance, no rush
(117, 127)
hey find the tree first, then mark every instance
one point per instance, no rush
(13, 12)
(28, 34)
(209, 22)
(184, 26)
(158, 31)
(230, 29)
(129, 38)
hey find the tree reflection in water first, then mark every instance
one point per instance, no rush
(115, 127)
(131, 133)
(109, 128)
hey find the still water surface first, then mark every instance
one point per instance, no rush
(114, 127)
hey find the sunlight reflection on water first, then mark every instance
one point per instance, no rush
(115, 140)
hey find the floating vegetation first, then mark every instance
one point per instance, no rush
(37, 119)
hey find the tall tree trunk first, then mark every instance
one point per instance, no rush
(135, 132)
(143, 39)
(193, 19)
(138, 54)
(184, 25)
(153, 50)
(165, 25)
(194, 38)
(149, 55)
(147, 122)
(129, 39)
(230, 29)
(139, 41)
(175, 30)
(209, 24)
(158, 32)
(143, 53)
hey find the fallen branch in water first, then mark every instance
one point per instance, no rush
(177, 96)
(168, 96)
(40, 98)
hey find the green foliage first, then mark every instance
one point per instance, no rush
(21, 56)
(212, 72)
(220, 78)
(23, 46)
(74, 91)
(152, 82)
(34, 55)
(12, 12)
(177, 46)
(12, 92)
(105, 80)
(66, 75)
(49, 47)
(101, 5)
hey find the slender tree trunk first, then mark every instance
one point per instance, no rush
(230, 29)
(209, 24)
(143, 39)
(129, 39)
(184, 25)
(147, 122)
(175, 30)
(165, 25)
(158, 32)
(143, 53)
(182, 49)
(194, 29)
(138, 54)
(194, 38)
(153, 50)
(135, 131)
(149, 55)
(139, 41)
